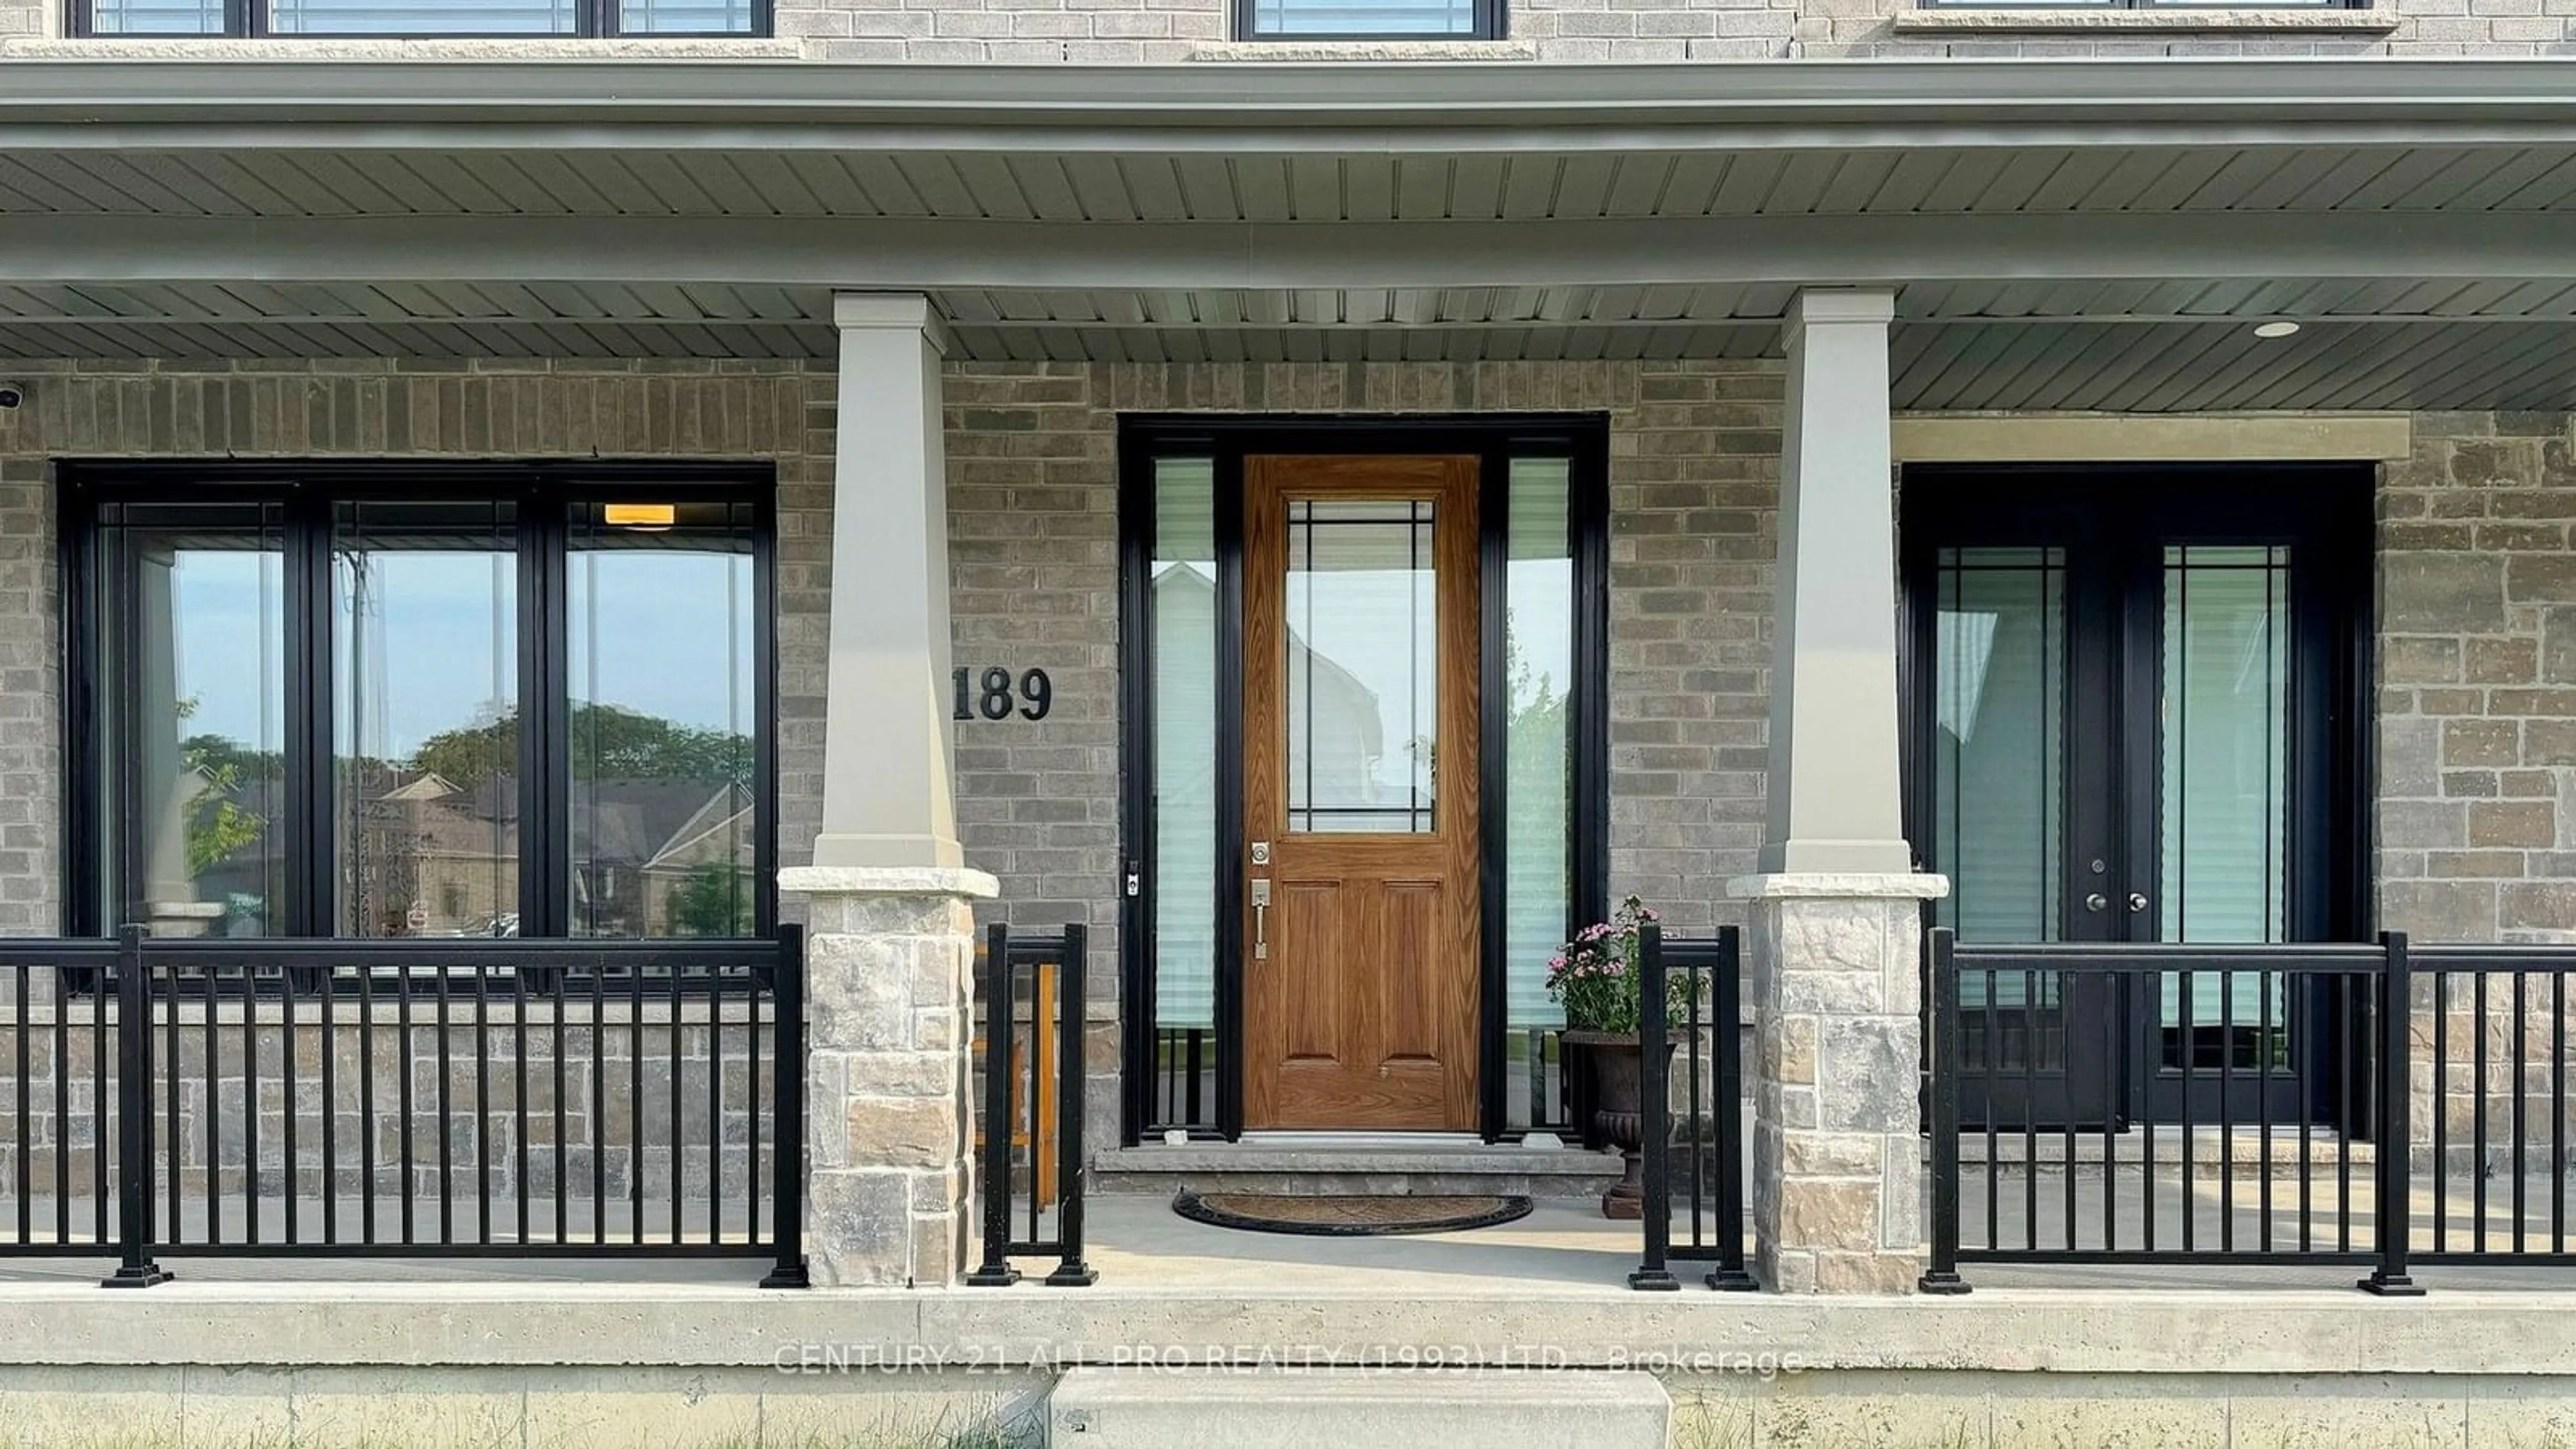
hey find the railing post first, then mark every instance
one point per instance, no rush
(1726, 1107)
(1941, 1058)
(787, 1113)
(134, 1224)
(995, 1184)
(2395, 1210)
(1654, 1112)
(1072, 1272)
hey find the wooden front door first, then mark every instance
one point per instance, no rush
(1360, 684)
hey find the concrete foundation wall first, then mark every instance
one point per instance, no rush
(686, 1407)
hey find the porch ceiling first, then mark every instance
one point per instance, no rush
(1647, 180)
(2085, 235)
(2121, 347)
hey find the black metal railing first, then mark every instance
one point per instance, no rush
(405, 1099)
(2497, 1104)
(1032, 1100)
(1693, 1160)
(2258, 1104)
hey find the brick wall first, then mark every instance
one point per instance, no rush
(1103, 32)
(386, 410)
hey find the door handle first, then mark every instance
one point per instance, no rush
(1261, 920)
(2097, 901)
(2137, 902)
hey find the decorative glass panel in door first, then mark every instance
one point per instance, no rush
(2223, 770)
(1998, 746)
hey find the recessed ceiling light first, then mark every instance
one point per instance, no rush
(2275, 329)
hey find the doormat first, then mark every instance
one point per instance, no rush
(1356, 1215)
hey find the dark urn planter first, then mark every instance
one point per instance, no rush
(1618, 1110)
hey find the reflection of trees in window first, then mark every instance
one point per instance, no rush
(713, 901)
(615, 743)
(219, 825)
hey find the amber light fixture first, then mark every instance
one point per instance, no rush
(639, 515)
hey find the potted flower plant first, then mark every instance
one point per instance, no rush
(1597, 978)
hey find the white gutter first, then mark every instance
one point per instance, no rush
(1308, 99)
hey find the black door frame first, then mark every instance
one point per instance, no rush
(1582, 439)
(2114, 520)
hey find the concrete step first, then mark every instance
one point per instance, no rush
(1192, 1408)
(1375, 1167)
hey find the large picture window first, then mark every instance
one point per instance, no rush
(569, 18)
(399, 704)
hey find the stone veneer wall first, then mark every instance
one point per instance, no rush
(1032, 458)
(353, 410)
(2477, 732)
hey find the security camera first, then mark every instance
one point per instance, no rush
(11, 394)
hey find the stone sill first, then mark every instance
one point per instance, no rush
(2378, 20)
(1368, 50)
(348, 48)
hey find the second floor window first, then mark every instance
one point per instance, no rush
(421, 17)
(1369, 19)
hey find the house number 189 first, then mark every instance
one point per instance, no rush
(990, 695)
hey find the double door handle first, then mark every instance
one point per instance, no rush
(2098, 902)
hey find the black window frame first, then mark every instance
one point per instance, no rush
(249, 19)
(1493, 22)
(544, 496)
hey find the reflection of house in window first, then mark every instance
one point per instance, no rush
(653, 858)
(423, 839)
(1337, 733)
(661, 858)
(1335, 747)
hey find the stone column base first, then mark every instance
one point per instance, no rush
(889, 1002)
(1837, 1121)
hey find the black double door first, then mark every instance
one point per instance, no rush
(2136, 696)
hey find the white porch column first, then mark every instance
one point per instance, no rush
(1834, 802)
(890, 944)
(1837, 1165)
(887, 732)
